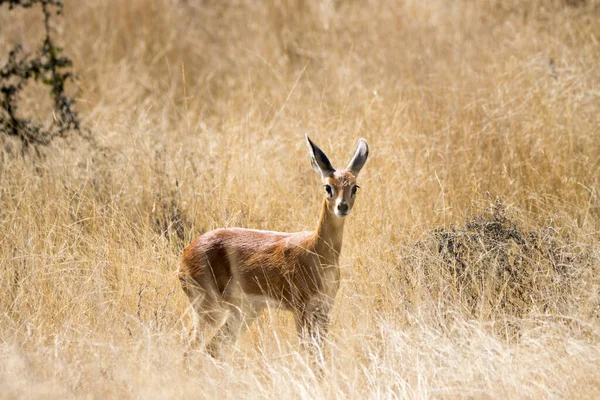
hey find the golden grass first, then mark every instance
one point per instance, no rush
(199, 111)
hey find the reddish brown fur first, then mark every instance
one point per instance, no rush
(289, 268)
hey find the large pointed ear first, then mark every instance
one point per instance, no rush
(360, 157)
(319, 160)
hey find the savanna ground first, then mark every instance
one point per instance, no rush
(471, 261)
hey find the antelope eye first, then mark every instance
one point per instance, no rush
(329, 191)
(354, 189)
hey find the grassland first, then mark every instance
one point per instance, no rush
(199, 111)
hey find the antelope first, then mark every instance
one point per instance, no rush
(232, 274)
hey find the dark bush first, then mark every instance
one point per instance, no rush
(499, 263)
(47, 66)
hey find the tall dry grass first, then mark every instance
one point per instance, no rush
(199, 110)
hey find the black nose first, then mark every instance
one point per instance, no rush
(343, 207)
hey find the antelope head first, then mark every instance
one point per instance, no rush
(340, 186)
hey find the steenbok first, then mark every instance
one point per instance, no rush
(235, 273)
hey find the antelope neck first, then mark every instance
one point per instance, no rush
(329, 233)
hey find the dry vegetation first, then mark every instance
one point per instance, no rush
(199, 111)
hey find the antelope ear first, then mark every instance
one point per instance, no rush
(360, 157)
(319, 160)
